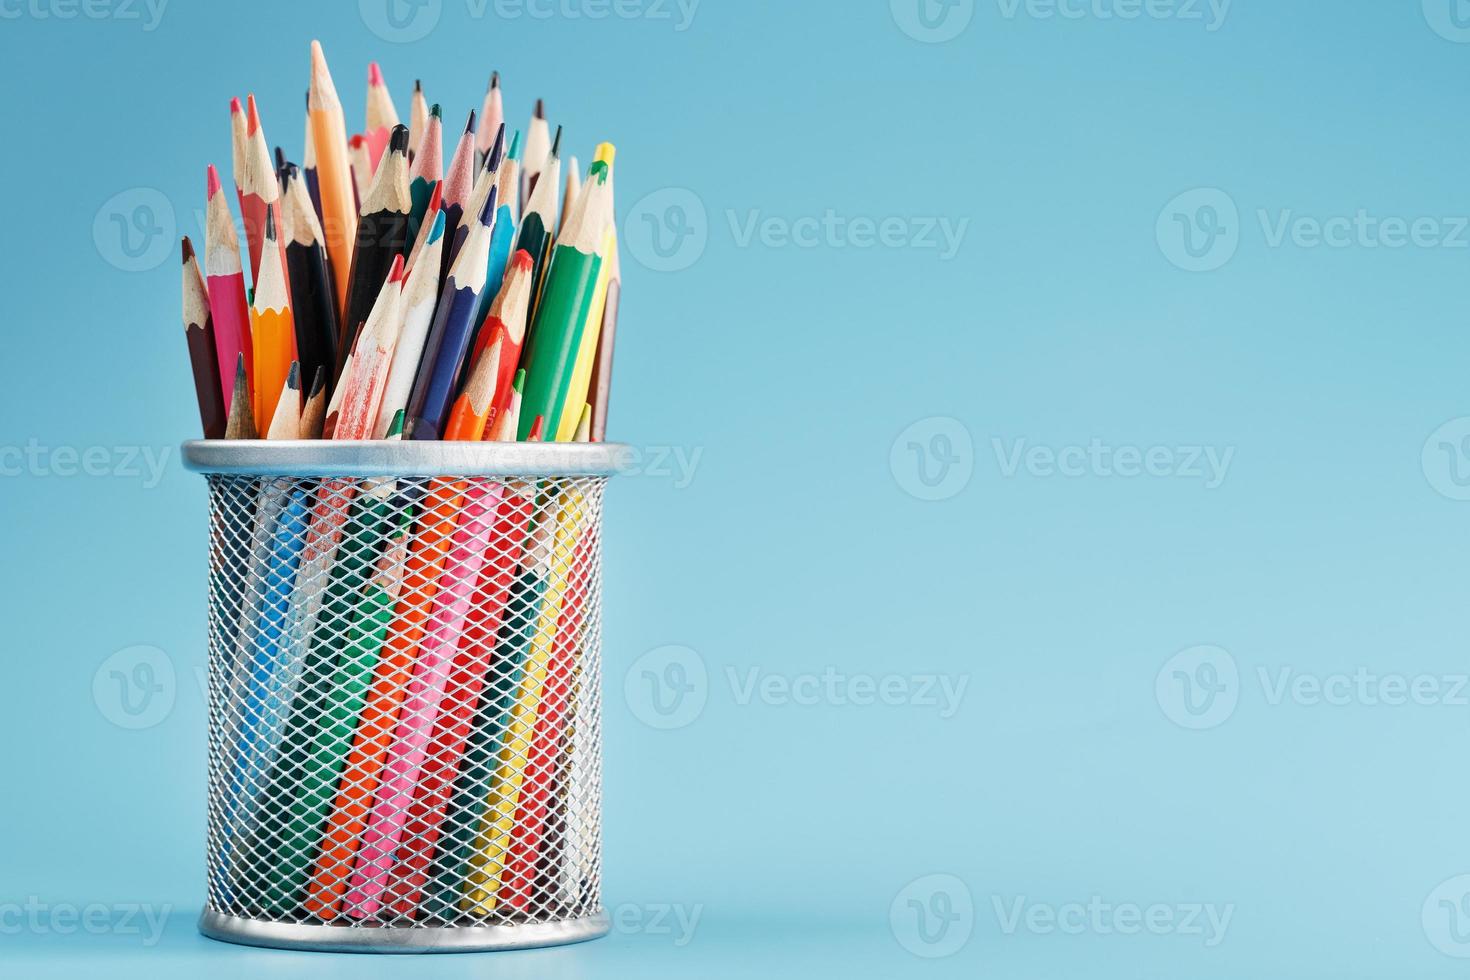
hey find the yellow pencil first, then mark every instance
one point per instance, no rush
(487, 860)
(592, 326)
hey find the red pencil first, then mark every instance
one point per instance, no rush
(256, 186)
(382, 116)
(507, 316)
(226, 284)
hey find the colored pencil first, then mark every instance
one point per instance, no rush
(308, 166)
(334, 174)
(430, 213)
(528, 554)
(256, 185)
(286, 419)
(448, 341)
(420, 295)
(458, 186)
(487, 860)
(600, 385)
(359, 783)
(507, 316)
(315, 410)
(538, 144)
(565, 302)
(426, 171)
(323, 719)
(539, 219)
(591, 329)
(240, 423)
(484, 181)
(381, 236)
(382, 116)
(313, 302)
(272, 329)
(203, 359)
(329, 422)
(503, 238)
(358, 412)
(529, 839)
(386, 822)
(418, 117)
(226, 283)
(571, 187)
(359, 161)
(492, 117)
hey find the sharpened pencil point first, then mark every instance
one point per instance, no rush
(375, 74)
(487, 214)
(270, 224)
(187, 248)
(537, 429)
(280, 159)
(519, 381)
(211, 182)
(540, 109)
(418, 85)
(515, 146)
(435, 111)
(395, 274)
(252, 115)
(492, 160)
(436, 199)
(556, 144)
(436, 230)
(293, 377)
(522, 260)
(495, 79)
(469, 125)
(398, 142)
(320, 381)
(395, 428)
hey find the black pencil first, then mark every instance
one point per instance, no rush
(382, 233)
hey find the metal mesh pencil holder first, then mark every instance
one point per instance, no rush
(404, 693)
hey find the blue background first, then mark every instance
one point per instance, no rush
(791, 829)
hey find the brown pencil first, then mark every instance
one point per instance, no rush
(199, 332)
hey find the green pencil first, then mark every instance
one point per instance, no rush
(566, 299)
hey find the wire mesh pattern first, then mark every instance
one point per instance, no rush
(404, 700)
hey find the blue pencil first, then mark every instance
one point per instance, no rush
(259, 711)
(449, 337)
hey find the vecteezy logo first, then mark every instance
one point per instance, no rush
(933, 916)
(134, 229)
(933, 459)
(135, 687)
(1446, 917)
(667, 687)
(1199, 230)
(1446, 459)
(1198, 688)
(667, 230)
(932, 21)
(400, 21)
(1450, 19)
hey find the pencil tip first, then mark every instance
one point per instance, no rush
(398, 142)
(469, 125)
(187, 247)
(556, 143)
(235, 105)
(356, 140)
(495, 79)
(396, 273)
(487, 214)
(270, 224)
(540, 109)
(375, 74)
(418, 85)
(252, 115)
(211, 184)
(515, 146)
(293, 377)
(522, 260)
(436, 230)
(537, 428)
(320, 381)
(396, 427)
(497, 150)
(436, 199)
(519, 381)
(435, 112)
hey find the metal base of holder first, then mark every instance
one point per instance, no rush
(446, 939)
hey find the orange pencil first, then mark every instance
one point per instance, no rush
(272, 328)
(334, 174)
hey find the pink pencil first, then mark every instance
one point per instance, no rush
(389, 815)
(225, 281)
